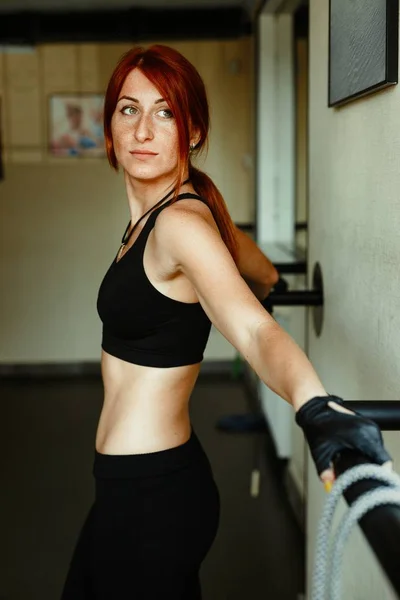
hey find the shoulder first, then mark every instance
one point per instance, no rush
(183, 224)
(188, 209)
(190, 240)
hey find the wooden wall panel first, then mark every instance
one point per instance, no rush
(3, 102)
(2, 69)
(89, 66)
(23, 104)
(60, 63)
(109, 54)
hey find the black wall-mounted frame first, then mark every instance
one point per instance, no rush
(363, 48)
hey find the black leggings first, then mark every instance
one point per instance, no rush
(154, 519)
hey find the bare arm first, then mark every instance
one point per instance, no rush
(196, 247)
(193, 242)
(256, 269)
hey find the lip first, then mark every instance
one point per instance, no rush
(143, 153)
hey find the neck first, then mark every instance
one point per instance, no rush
(143, 194)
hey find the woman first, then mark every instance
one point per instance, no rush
(156, 510)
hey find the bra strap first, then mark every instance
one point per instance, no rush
(125, 239)
(188, 195)
(152, 219)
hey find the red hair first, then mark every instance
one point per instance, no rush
(180, 84)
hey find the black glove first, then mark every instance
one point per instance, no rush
(328, 431)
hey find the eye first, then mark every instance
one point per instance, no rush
(166, 113)
(129, 110)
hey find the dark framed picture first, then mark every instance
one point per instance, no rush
(76, 125)
(363, 48)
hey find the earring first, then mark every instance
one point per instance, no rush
(191, 148)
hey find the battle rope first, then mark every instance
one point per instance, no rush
(326, 583)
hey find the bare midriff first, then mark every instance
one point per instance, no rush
(145, 409)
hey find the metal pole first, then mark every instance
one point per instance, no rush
(385, 413)
(296, 298)
(381, 526)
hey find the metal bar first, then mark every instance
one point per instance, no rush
(385, 413)
(294, 268)
(296, 298)
(381, 526)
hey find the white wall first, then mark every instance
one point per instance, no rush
(354, 234)
(275, 131)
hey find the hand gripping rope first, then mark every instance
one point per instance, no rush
(326, 583)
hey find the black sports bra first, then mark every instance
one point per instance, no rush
(140, 324)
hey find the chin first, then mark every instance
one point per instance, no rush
(145, 174)
(141, 173)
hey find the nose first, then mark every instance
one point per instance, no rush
(144, 129)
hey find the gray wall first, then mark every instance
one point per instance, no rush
(354, 234)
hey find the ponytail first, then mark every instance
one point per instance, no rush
(207, 189)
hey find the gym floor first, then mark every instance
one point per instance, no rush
(46, 490)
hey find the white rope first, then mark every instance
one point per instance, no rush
(367, 502)
(327, 553)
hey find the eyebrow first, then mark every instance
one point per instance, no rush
(137, 101)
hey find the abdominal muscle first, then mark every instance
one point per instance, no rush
(145, 409)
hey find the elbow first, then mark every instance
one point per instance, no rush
(262, 285)
(270, 278)
(273, 276)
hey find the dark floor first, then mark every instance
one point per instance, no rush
(46, 452)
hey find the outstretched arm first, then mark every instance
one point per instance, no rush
(195, 246)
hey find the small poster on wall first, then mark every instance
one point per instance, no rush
(76, 125)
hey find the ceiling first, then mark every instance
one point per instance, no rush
(63, 5)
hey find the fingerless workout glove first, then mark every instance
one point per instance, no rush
(328, 431)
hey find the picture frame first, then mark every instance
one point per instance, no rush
(75, 125)
(363, 48)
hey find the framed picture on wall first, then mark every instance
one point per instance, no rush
(363, 48)
(76, 125)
